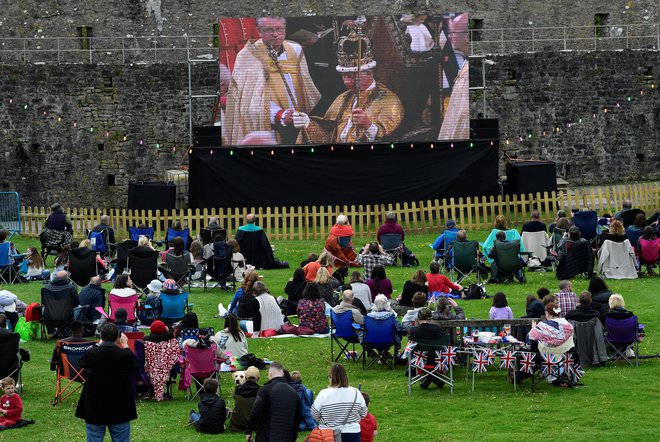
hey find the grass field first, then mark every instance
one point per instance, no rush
(617, 402)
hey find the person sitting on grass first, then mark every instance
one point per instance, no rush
(500, 308)
(439, 283)
(533, 307)
(212, 410)
(244, 397)
(583, 311)
(443, 309)
(36, 266)
(231, 341)
(418, 301)
(11, 405)
(121, 316)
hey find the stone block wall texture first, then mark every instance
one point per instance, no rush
(46, 159)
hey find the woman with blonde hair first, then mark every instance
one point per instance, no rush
(327, 286)
(500, 226)
(324, 260)
(616, 233)
(618, 308)
(340, 407)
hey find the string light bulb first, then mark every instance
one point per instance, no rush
(211, 152)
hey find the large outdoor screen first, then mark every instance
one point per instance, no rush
(333, 80)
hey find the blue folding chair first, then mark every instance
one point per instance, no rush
(341, 326)
(136, 232)
(184, 234)
(378, 337)
(174, 307)
(587, 222)
(8, 271)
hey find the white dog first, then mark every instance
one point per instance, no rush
(239, 377)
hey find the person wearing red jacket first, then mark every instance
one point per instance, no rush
(11, 405)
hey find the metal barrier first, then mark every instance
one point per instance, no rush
(10, 212)
(179, 49)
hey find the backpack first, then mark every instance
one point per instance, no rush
(474, 291)
(250, 359)
(306, 400)
(98, 243)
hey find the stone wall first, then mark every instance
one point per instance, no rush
(80, 133)
(602, 137)
(61, 18)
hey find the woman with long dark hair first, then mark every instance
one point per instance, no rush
(231, 341)
(379, 284)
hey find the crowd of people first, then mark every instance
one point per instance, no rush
(333, 281)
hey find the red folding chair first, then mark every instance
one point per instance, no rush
(128, 303)
(70, 376)
(202, 363)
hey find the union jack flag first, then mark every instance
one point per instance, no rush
(449, 356)
(507, 360)
(418, 359)
(440, 362)
(480, 362)
(573, 369)
(549, 363)
(527, 362)
(409, 348)
(490, 356)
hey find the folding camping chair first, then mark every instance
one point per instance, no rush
(341, 326)
(143, 266)
(183, 234)
(536, 244)
(445, 257)
(128, 303)
(8, 270)
(379, 338)
(135, 232)
(101, 242)
(587, 222)
(208, 235)
(622, 336)
(68, 369)
(219, 267)
(82, 265)
(174, 307)
(508, 261)
(429, 368)
(178, 268)
(392, 244)
(649, 254)
(58, 310)
(202, 363)
(122, 255)
(578, 259)
(628, 217)
(466, 262)
(11, 361)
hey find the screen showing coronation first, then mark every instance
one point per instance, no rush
(332, 80)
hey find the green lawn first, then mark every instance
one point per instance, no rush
(607, 407)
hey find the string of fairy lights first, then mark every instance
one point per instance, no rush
(507, 139)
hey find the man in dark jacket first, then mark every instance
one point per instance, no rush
(428, 334)
(212, 410)
(107, 398)
(273, 415)
(583, 311)
(92, 296)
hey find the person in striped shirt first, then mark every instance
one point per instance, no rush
(340, 406)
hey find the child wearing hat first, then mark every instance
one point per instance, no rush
(153, 307)
(244, 397)
(121, 316)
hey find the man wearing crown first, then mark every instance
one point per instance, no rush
(367, 111)
(270, 83)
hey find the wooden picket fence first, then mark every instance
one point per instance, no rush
(314, 222)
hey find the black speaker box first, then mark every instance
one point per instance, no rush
(530, 177)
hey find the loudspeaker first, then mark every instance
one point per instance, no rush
(530, 177)
(207, 136)
(151, 196)
(485, 129)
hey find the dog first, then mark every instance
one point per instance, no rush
(239, 377)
